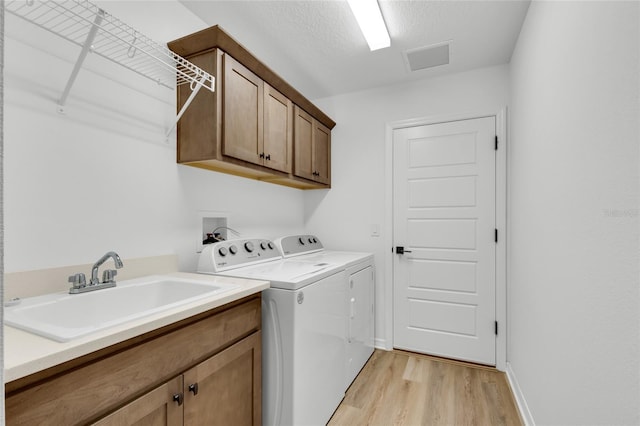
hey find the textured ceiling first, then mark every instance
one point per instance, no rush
(317, 46)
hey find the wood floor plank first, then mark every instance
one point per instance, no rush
(406, 389)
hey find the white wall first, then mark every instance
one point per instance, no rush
(573, 213)
(102, 177)
(344, 215)
(1, 212)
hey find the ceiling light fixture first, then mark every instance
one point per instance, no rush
(369, 17)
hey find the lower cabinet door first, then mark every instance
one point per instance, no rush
(162, 406)
(226, 388)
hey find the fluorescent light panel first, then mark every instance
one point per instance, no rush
(369, 17)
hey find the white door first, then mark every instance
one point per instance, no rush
(444, 217)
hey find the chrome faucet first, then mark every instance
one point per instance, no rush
(79, 281)
(107, 276)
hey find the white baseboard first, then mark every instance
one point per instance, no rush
(382, 344)
(519, 396)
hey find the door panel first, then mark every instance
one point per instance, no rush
(442, 233)
(156, 408)
(278, 130)
(442, 192)
(321, 152)
(228, 387)
(303, 164)
(443, 275)
(444, 216)
(242, 112)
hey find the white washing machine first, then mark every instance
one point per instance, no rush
(360, 284)
(304, 328)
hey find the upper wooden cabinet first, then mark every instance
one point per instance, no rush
(247, 126)
(312, 146)
(257, 119)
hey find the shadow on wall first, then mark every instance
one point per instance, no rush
(312, 201)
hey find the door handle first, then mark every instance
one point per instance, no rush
(179, 398)
(401, 250)
(193, 388)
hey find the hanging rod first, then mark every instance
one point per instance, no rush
(96, 31)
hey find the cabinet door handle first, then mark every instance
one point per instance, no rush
(179, 398)
(268, 157)
(262, 155)
(193, 388)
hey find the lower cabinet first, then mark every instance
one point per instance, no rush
(204, 370)
(222, 390)
(161, 406)
(226, 388)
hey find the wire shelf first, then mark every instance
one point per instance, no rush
(86, 25)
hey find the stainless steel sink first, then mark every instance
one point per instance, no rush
(63, 317)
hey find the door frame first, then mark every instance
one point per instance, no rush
(501, 224)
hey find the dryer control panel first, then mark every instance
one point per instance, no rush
(230, 254)
(294, 245)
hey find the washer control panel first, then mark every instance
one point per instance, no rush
(294, 245)
(224, 255)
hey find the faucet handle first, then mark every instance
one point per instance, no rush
(78, 280)
(108, 274)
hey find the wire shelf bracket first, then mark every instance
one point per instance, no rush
(96, 31)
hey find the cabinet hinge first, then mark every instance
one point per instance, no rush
(496, 327)
(496, 235)
(496, 142)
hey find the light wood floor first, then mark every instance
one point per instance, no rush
(402, 388)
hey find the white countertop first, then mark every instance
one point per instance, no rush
(26, 353)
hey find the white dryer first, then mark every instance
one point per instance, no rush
(304, 336)
(360, 284)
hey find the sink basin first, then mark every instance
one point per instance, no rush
(63, 317)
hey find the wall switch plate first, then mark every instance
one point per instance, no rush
(375, 230)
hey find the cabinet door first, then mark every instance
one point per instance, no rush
(278, 129)
(321, 153)
(242, 112)
(226, 388)
(303, 144)
(156, 408)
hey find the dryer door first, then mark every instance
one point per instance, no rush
(360, 339)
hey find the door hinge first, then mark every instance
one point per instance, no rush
(496, 235)
(496, 327)
(496, 142)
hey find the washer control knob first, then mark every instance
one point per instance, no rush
(315, 240)
(248, 246)
(301, 240)
(233, 249)
(270, 245)
(310, 240)
(263, 245)
(222, 251)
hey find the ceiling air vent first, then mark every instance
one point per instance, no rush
(427, 57)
